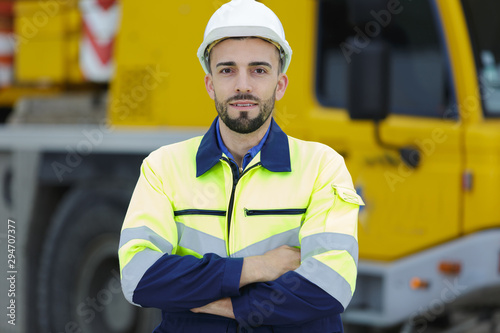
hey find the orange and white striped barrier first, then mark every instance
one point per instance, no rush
(7, 45)
(100, 25)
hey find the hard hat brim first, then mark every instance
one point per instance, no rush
(243, 31)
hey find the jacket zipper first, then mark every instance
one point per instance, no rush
(231, 200)
(199, 212)
(286, 211)
(235, 182)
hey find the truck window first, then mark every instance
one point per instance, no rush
(484, 29)
(419, 68)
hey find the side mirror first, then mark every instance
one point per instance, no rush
(368, 81)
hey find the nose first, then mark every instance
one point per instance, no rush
(243, 84)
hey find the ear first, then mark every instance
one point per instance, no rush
(281, 86)
(209, 85)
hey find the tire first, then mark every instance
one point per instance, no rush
(79, 277)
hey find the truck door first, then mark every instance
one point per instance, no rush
(482, 140)
(408, 208)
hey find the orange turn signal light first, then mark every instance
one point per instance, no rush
(450, 267)
(418, 283)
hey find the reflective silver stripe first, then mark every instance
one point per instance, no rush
(290, 237)
(328, 241)
(133, 272)
(327, 279)
(200, 242)
(146, 234)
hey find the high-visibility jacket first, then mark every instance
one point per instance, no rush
(193, 217)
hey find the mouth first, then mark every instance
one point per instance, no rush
(243, 105)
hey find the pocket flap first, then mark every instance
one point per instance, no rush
(348, 195)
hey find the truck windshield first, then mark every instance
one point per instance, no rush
(484, 29)
(419, 79)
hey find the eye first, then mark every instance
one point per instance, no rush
(225, 71)
(260, 71)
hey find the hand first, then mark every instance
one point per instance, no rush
(269, 266)
(222, 307)
(279, 261)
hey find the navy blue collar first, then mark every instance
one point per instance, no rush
(274, 155)
(251, 152)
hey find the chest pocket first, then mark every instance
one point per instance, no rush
(274, 212)
(267, 229)
(200, 231)
(276, 220)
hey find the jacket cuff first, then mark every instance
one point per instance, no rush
(241, 309)
(232, 276)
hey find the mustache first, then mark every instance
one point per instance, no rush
(248, 97)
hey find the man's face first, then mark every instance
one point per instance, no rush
(245, 82)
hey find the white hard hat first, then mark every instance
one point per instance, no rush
(244, 18)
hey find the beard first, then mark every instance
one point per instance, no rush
(242, 124)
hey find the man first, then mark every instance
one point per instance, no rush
(215, 224)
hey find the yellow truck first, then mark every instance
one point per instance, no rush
(408, 91)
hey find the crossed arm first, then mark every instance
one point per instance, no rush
(154, 277)
(264, 268)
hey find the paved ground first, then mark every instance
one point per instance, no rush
(466, 316)
(460, 323)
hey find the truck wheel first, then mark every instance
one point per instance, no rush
(79, 277)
